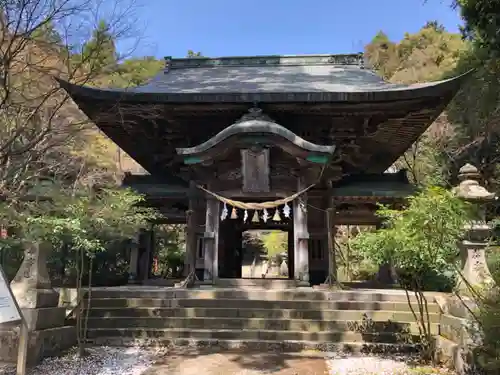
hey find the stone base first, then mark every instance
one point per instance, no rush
(44, 318)
(44, 343)
(454, 356)
(303, 283)
(34, 298)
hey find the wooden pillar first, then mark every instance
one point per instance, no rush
(211, 239)
(141, 263)
(147, 239)
(386, 274)
(301, 237)
(331, 232)
(191, 239)
(134, 260)
(291, 254)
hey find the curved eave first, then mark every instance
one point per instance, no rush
(256, 127)
(433, 89)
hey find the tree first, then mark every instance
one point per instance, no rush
(430, 54)
(38, 121)
(275, 242)
(47, 33)
(382, 55)
(85, 222)
(135, 71)
(419, 242)
(47, 178)
(482, 22)
(100, 50)
(191, 54)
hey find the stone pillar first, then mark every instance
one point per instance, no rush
(301, 237)
(211, 239)
(284, 264)
(475, 271)
(39, 304)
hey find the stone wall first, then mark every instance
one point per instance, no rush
(456, 333)
(49, 335)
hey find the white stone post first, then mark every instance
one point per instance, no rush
(300, 237)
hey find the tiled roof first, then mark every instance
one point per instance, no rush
(266, 78)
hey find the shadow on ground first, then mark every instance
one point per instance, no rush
(231, 362)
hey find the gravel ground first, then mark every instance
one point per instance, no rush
(101, 361)
(378, 365)
(143, 361)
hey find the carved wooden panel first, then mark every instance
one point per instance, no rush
(255, 168)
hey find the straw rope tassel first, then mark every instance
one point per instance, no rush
(254, 205)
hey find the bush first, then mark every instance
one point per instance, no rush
(421, 243)
(487, 352)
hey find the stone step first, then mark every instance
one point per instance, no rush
(160, 335)
(256, 283)
(253, 294)
(260, 345)
(304, 325)
(329, 315)
(256, 304)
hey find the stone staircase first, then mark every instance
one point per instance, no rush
(291, 320)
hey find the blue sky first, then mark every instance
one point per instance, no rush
(259, 27)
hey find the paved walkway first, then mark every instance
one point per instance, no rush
(237, 363)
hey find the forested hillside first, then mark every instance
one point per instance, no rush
(467, 130)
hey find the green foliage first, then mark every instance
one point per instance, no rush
(134, 72)
(100, 51)
(170, 246)
(486, 331)
(422, 56)
(85, 219)
(80, 223)
(275, 242)
(482, 22)
(47, 33)
(192, 54)
(475, 112)
(383, 55)
(420, 239)
(419, 242)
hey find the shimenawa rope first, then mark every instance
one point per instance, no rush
(255, 205)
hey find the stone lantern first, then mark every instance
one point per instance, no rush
(477, 233)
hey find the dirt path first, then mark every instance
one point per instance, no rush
(237, 363)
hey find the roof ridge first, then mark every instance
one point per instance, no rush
(356, 59)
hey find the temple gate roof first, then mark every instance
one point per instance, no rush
(267, 78)
(332, 102)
